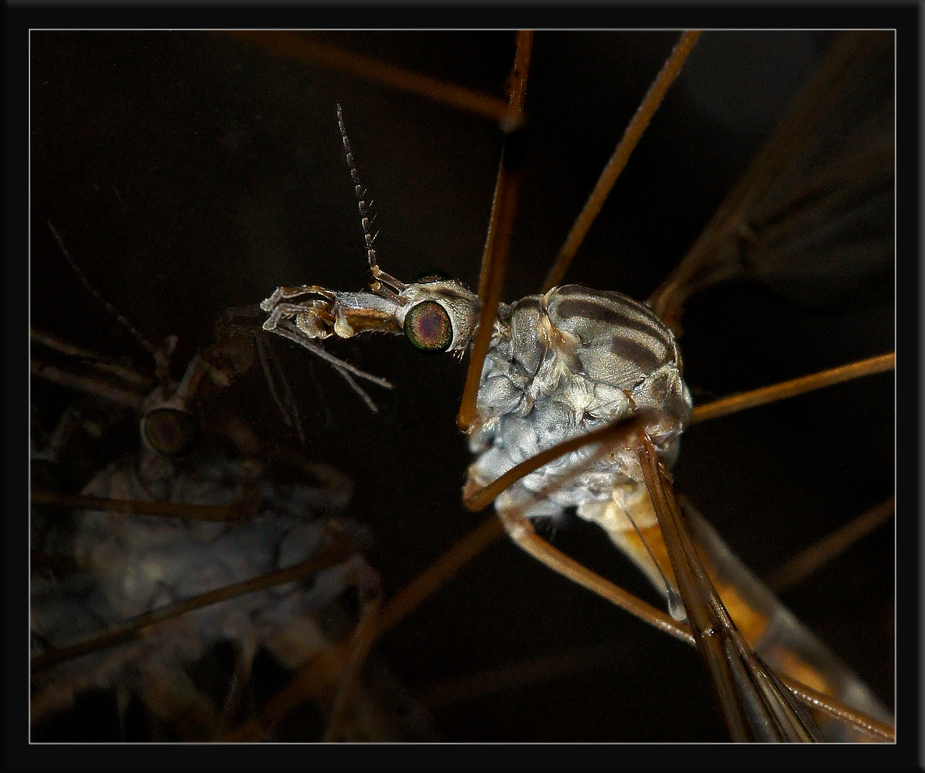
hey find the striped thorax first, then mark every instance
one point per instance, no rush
(561, 365)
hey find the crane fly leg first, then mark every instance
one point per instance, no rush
(756, 705)
(522, 533)
(747, 604)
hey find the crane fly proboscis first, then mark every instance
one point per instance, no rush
(259, 196)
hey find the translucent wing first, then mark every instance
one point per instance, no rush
(813, 215)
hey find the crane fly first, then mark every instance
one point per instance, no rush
(425, 180)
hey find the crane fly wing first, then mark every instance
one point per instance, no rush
(812, 217)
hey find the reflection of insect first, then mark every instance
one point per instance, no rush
(187, 525)
(203, 564)
(435, 200)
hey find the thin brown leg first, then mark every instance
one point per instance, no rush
(297, 47)
(497, 241)
(337, 551)
(625, 147)
(521, 531)
(757, 707)
(364, 635)
(794, 387)
(801, 566)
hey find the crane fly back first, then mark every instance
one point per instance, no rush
(561, 365)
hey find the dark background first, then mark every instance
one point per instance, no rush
(188, 173)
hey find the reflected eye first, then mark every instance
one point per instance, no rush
(428, 327)
(169, 432)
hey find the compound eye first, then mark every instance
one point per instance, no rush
(169, 432)
(428, 327)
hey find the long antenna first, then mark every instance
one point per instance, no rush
(360, 191)
(382, 283)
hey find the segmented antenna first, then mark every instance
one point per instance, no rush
(365, 220)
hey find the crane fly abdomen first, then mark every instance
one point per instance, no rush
(561, 365)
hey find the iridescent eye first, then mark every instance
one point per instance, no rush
(428, 327)
(169, 432)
